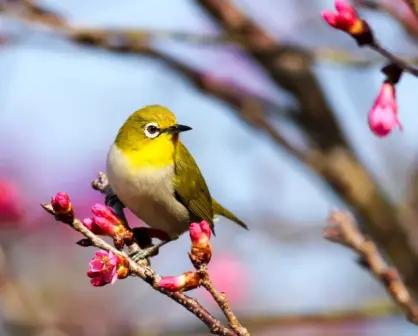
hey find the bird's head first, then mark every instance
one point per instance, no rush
(152, 133)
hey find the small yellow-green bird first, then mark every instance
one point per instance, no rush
(155, 176)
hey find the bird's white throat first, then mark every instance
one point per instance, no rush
(147, 192)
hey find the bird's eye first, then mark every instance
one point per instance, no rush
(151, 130)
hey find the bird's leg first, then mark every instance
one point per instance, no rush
(113, 201)
(150, 250)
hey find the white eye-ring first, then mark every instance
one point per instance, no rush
(151, 130)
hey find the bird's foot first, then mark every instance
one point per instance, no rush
(147, 252)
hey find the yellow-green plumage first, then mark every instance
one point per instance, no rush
(156, 177)
(191, 190)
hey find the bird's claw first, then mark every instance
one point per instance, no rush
(144, 253)
(148, 252)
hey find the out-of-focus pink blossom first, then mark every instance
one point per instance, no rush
(61, 203)
(180, 283)
(201, 251)
(106, 268)
(345, 19)
(229, 275)
(383, 117)
(10, 203)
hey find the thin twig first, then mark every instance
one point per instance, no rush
(343, 230)
(395, 59)
(222, 301)
(151, 277)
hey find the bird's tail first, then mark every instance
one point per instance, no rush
(220, 210)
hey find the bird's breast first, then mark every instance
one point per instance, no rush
(148, 192)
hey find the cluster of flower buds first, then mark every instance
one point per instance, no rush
(10, 204)
(383, 116)
(106, 223)
(106, 268)
(200, 255)
(347, 20)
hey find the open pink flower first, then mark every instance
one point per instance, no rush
(10, 203)
(103, 268)
(383, 117)
(345, 18)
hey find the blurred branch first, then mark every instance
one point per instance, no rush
(343, 230)
(356, 59)
(333, 160)
(121, 41)
(288, 66)
(413, 6)
(259, 323)
(394, 10)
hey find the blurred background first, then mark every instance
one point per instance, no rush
(278, 103)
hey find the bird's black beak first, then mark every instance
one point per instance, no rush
(177, 129)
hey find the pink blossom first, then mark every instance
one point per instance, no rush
(61, 203)
(345, 18)
(103, 268)
(229, 274)
(10, 203)
(383, 117)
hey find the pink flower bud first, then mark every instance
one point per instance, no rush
(103, 268)
(105, 212)
(383, 116)
(345, 19)
(200, 233)
(102, 226)
(88, 223)
(201, 251)
(61, 203)
(180, 283)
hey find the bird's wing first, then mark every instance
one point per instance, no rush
(195, 197)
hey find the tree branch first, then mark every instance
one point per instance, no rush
(333, 160)
(343, 230)
(222, 301)
(413, 6)
(151, 277)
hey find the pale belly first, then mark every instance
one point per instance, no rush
(148, 193)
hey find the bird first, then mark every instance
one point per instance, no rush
(154, 175)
